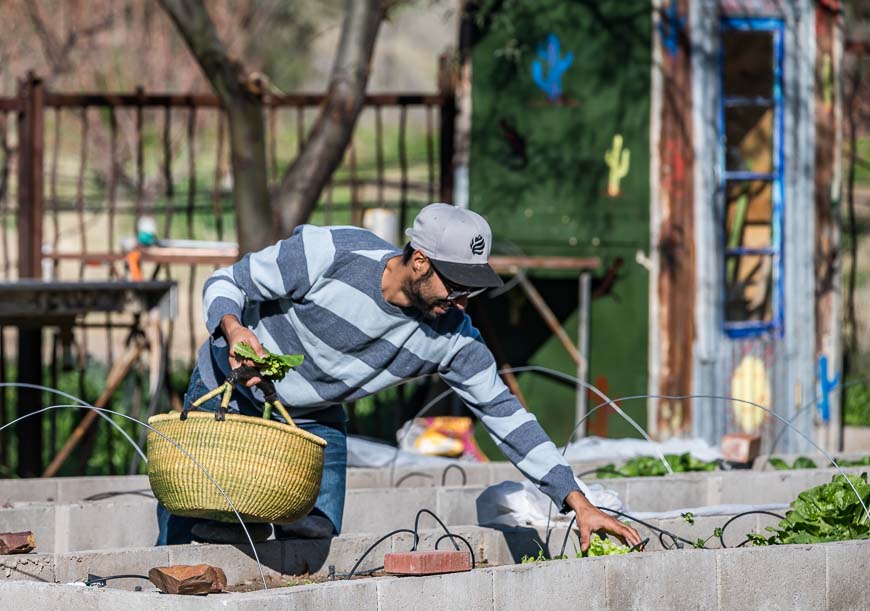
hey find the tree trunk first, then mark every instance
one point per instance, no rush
(321, 155)
(255, 222)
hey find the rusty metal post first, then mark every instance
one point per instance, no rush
(403, 167)
(585, 283)
(447, 89)
(30, 209)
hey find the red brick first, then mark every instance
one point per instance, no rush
(17, 543)
(740, 447)
(427, 563)
(188, 579)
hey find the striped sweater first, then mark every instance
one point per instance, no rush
(318, 293)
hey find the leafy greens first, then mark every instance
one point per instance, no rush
(651, 466)
(830, 512)
(272, 366)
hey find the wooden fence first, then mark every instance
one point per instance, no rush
(78, 170)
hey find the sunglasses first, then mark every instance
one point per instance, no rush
(457, 291)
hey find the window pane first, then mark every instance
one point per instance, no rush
(748, 214)
(749, 139)
(749, 288)
(747, 63)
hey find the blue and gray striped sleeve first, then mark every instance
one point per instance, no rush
(280, 270)
(470, 369)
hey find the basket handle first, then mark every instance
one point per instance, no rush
(281, 410)
(241, 375)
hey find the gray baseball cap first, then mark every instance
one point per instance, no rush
(457, 242)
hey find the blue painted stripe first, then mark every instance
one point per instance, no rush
(220, 307)
(377, 353)
(558, 483)
(526, 437)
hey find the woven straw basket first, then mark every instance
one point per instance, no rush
(271, 471)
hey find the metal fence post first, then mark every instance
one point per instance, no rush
(447, 127)
(30, 209)
(585, 296)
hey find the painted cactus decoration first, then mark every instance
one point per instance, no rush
(827, 82)
(556, 67)
(826, 386)
(617, 159)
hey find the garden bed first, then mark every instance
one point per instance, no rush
(824, 576)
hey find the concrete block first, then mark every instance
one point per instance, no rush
(345, 550)
(29, 595)
(619, 487)
(420, 477)
(525, 541)
(664, 493)
(458, 505)
(501, 471)
(498, 549)
(115, 487)
(556, 584)
(38, 518)
(30, 490)
(776, 577)
(75, 566)
(848, 569)
(29, 567)
(752, 487)
(703, 528)
(366, 478)
(107, 525)
(314, 556)
(464, 474)
(661, 580)
(379, 511)
(354, 594)
(237, 561)
(470, 591)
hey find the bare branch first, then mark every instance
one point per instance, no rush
(255, 222)
(322, 152)
(50, 43)
(193, 22)
(56, 52)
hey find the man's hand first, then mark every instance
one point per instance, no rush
(235, 332)
(590, 519)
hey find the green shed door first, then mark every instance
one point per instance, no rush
(559, 165)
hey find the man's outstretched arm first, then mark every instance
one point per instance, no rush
(471, 371)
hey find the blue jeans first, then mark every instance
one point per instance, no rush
(175, 530)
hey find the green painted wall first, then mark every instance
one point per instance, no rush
(537, 172)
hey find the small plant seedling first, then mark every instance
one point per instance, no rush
(701, 543)
(272, 366)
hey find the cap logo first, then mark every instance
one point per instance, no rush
(477, 245)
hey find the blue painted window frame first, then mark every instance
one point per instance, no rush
(776, 27)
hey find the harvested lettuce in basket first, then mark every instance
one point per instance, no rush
(272, 366)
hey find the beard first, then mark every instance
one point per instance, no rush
(414, 291)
